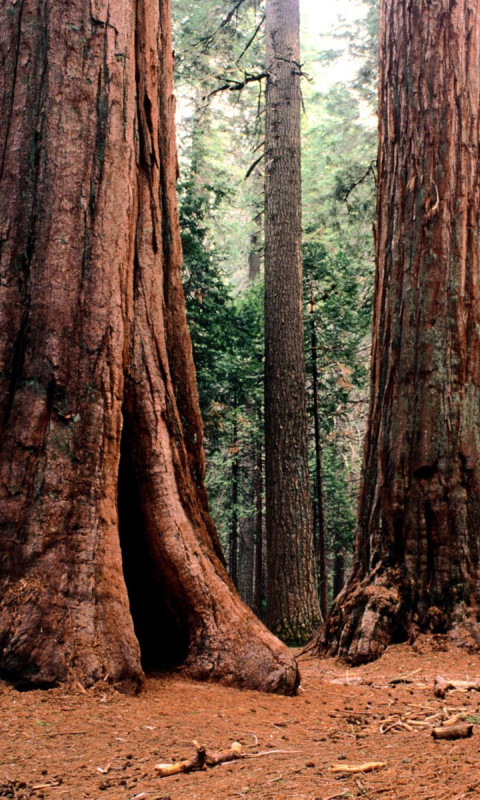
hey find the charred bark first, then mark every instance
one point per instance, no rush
(100, 429)
(292, 603)
(416, 562)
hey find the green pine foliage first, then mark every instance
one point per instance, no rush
(341, 315)
(220, 135)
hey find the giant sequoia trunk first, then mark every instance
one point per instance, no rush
(292, 603)
(100, 435)
(417, 547)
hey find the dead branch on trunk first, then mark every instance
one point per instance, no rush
(201, 760)
(453, 732)
(442, 686)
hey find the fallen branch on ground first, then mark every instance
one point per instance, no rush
(441, 686)
(369, 766)
(190, 765)
(201, 760)
(221, 757)
(453, 732)
(270, 753)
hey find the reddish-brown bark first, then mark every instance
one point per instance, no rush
(417, 547)
(97, 388)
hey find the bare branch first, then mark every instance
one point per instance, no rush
(369, 171)
(235, 86)
(252, 167)
(252, 39)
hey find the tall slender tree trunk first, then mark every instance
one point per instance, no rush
(100, 433)
(319, 517)
(260, 543)
(417, 546)
(292, 603)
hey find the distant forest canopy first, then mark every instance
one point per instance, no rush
(220, 82)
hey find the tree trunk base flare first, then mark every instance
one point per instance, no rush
(369, 615)
(109, 561)
(364, 620)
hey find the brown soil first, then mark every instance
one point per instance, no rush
(100, 744)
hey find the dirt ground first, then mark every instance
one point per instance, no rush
(101, 745)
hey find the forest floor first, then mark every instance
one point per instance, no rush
(101, 745)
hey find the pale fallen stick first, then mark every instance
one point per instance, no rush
(453, 720)
(47, 785)
(369, 766)
(441, 686)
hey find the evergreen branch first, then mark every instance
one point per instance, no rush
(207, 40)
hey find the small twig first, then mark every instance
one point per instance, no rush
(347, 192)
(252, 167)
(270, 753)
(248, 733)
(252, 39)
(403, 678)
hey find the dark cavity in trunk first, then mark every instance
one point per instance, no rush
(159, 623)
